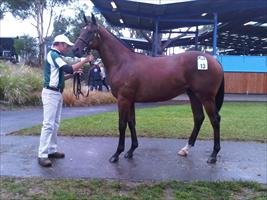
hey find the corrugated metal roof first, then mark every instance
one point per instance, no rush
(232, 17)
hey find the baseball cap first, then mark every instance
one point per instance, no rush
(63, 38)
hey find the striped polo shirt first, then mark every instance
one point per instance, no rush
(53, 69)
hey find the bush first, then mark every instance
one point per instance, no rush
(20, 85)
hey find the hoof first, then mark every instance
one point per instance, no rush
(128, 155)
(114, 159)
(183, 152)
(212, 160)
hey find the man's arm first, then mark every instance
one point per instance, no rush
(78, 65)
(69, 69)
(68, 76)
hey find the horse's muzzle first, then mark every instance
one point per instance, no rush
(76, 52)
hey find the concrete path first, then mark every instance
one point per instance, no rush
(155, 159)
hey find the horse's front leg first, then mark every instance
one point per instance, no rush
(131, 124)
(124, 108)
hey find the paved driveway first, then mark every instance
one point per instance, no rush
(155, 159)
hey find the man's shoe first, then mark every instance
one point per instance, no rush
(56, 155)
(44, 162)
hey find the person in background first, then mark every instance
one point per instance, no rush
(54, 76)
(104, 76)
(95, 77)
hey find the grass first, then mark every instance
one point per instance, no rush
(240, 121)
(38, 188)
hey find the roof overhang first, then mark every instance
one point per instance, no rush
(241, 23)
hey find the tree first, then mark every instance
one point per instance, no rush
(35, 9)
(101, 20)
(71, 26)
(26, 48)
(14, 6)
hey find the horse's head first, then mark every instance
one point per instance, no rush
(88, 39)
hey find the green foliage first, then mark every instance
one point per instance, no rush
(24, 9)
(26, 47)
(70, 26)
(20, 85)
(73, 25)
(61, 26)
(17, 8)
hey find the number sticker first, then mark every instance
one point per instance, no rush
(202, 63)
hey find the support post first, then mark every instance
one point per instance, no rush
(196, 38)
(214, 52)
(155, 39)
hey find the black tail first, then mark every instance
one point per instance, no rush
(220, 96)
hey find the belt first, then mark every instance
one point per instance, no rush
(54, 89)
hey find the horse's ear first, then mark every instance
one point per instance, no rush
(85, 19)
(93, 19)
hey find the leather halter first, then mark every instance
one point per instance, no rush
(96, 34)
(86, 43)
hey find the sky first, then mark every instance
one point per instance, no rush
(12, 27)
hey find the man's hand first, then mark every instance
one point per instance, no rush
(79, 65)
(89, 58)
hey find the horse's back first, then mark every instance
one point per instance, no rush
(162, 78)
(188, 69)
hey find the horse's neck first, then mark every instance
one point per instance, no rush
(112, 51)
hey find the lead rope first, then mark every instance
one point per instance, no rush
(77, 86)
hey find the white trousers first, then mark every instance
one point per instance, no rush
(52, 107)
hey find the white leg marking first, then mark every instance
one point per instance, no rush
(184, 151)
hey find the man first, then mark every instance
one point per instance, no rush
(52, 98)
(95, 77)
(104, 76)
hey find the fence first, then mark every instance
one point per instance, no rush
(245, 74)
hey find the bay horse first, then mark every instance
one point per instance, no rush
(135, 77)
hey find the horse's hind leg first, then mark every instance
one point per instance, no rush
(124, 108)
(198, 115)
(131, 124)
(215, 119)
